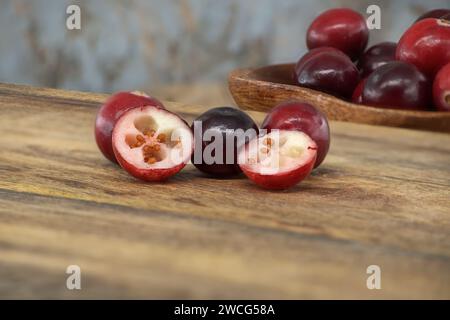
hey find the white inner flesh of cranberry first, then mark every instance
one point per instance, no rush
(153, 138)
(278, 152)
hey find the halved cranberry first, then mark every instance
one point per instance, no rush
(329, 71)
(278, 160)
(376, 56)
(426, 44)
(357, 94)
(341, 28)
(397, 85)
(441, 89)
(111, 111)
(436, 13)
(152, 144)
(295, 115)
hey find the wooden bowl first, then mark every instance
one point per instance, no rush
(263, 88)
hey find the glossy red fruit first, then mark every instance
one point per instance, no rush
(311, 53)
(397, 85)
(341, 28)
(229, 124)
(151, 143)
(436, 13)
(278, 160)
(357, 94)
(426, 44)
(111, 111)
(376, 56)
(295, 115)
(328, 71)
(441, 89)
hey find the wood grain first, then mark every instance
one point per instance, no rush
(263, 88)
(381, 197)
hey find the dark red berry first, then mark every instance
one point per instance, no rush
(397, 85)
(376, 56)
(426, 44)
(328, 71)
(224, 122)
(341, 28)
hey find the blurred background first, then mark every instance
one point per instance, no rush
(174, 49)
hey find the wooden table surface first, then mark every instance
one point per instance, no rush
(382, 197)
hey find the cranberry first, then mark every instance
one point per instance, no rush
(278, 160)
(397, 85)
(328, 71)
(436, 13)
(111, 111)
(223, 122)
(357, 94)
(426, 44)
(376, 56)
(341, 28)
(152, 144)
(302, 117)
(441, 89)
(311, 53)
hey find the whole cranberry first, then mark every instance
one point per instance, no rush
(111, 111)
(426, 44)
(223, 123)
(397, 85)
(441, 89)
(357, 94)
(376, 56)
(340, 28)
(436, 13)
(328, 71)
(311, 53)
(295, 115)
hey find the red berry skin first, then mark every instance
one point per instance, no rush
(375, 57)
(357, 94)
(328, 71)
(341, 28)
(155, 175)
(426, 44)
(441, 89)
(111, 111)
(295, 115)
(436, 13)
(281, 181)
(397, 85)
(310, 54)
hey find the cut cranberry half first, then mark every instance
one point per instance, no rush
(111, 111)
(300, 116)
(278, 160)
(152, 144)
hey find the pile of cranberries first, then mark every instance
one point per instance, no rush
(152, 143)
(412, 74)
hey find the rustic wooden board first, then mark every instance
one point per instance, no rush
(381, 197)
